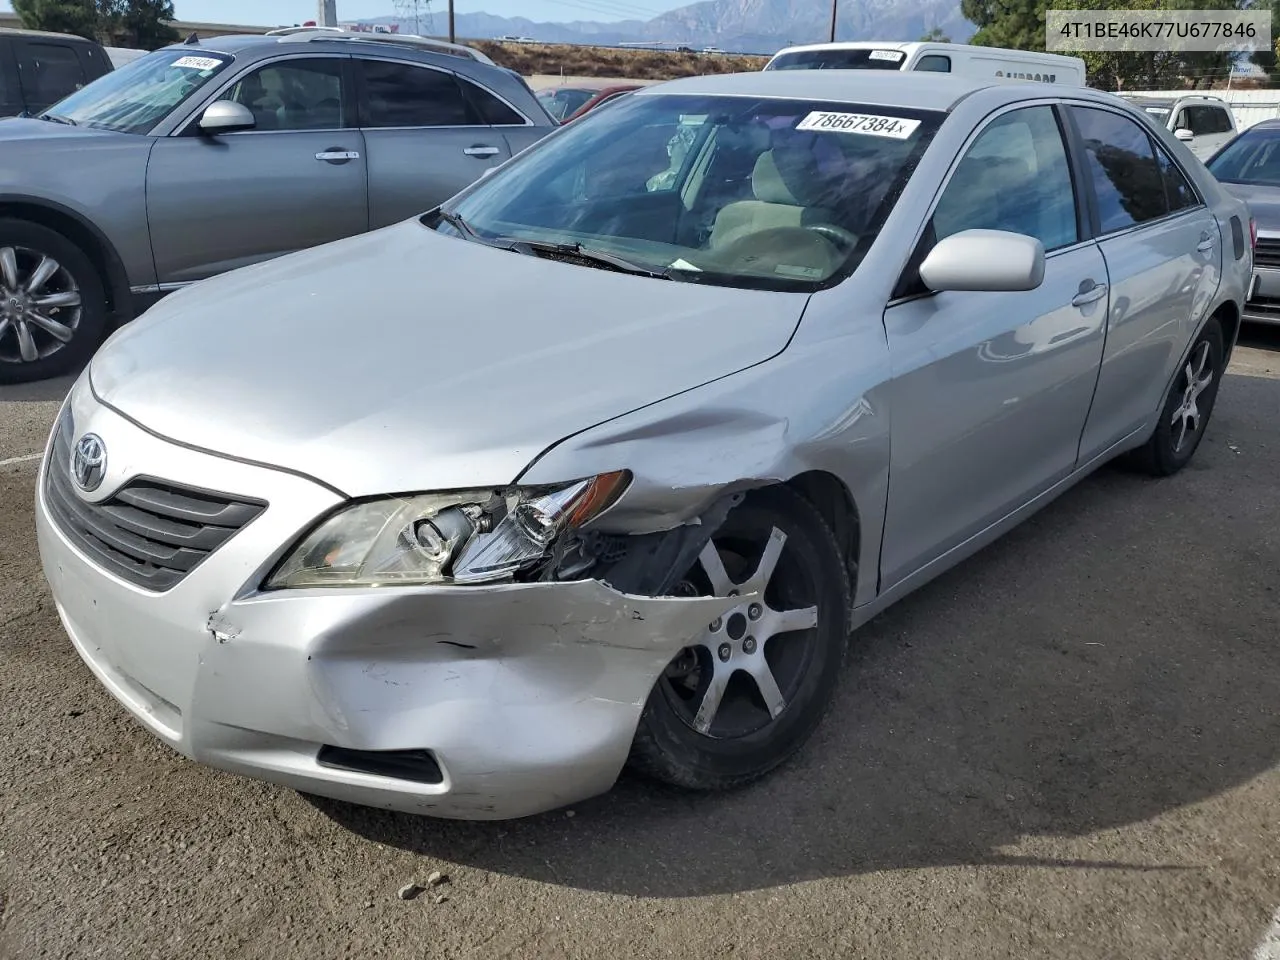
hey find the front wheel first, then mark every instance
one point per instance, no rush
(1187, 406)
(52, 306)
(753, 687)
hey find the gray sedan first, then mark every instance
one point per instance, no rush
(1249, 167)
(602, 461)
(200, 158)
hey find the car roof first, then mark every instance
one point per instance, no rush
(12, 32)
(921, 91)
(323, 41)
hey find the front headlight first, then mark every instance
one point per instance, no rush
(467, 537)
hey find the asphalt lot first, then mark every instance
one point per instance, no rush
(1067, 747)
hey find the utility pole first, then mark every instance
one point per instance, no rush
(452, 37)
(835, 5)
(327, 14)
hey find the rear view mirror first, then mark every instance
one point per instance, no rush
(1183, 134)
(226, 116)
(990, 260)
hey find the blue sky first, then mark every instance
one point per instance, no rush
(295, 11)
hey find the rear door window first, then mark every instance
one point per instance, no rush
(49, 71)
(1127, 178)
(403, 95)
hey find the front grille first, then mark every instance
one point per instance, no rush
(150, 532)
(1267, 253)
(1268, 307)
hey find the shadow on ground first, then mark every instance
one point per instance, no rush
(1109, 661)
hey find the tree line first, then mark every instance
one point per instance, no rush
(142, 24)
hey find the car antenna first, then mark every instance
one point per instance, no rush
(192, 39)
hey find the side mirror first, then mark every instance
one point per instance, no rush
(988, 260)
(226, 116)
(1183, 134)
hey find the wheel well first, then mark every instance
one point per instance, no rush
(1228, 315)
(104, 260)
(832, 499)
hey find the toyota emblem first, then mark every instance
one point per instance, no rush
(89, 463)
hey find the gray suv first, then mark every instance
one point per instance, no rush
(203, 157)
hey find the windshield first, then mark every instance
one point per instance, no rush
(1253, 157)
(136, 97)
(839, 60)
(738, 191)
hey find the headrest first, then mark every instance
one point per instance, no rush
(767, 183)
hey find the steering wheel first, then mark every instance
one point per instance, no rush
(844, 240)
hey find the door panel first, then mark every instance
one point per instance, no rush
(990, 393)
(990, 390)
(1163, 252)
(1160, 287)
(299, 179)
(215, 204)
(425, 136)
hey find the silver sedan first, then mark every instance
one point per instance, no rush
(603, 461)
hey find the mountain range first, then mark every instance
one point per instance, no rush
(745, 26)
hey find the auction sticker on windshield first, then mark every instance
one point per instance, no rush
(197, 63)
(892, 55)
(898, 128)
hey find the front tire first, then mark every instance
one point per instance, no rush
(753, 688)
(52, 305)
(1188, 406)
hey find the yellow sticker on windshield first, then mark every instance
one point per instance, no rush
(197, 63)
(897, 128)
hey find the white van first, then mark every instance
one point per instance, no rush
(934, 57)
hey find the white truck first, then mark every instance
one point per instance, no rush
(958, 58)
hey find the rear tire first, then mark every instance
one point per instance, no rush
(1188, 405)
(771, 668)
(53, 307)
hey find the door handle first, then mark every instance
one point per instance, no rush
(1089, 295)
(1206, 243)
(334, 155)
(479, 150)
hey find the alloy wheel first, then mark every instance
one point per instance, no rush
(740, 675)
(40, 305)
(1195, 378)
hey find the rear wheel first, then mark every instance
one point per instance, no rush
(52, 304)
(1187, 407)
(751, 690)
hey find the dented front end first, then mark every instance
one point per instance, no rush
(486, 700)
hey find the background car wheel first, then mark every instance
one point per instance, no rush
(754, 687)
(52, 305)
(1187, 407)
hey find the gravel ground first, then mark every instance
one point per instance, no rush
(1065, 748)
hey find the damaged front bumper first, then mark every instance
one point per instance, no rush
(480, 702)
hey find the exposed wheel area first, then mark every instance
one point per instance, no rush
(751, 689)
(52, 306)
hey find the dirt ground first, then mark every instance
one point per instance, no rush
(1066, 748)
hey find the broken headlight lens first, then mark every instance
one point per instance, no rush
(443, 538)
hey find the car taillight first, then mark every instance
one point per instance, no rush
(1253, 234)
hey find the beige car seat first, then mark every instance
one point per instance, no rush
(778, 202)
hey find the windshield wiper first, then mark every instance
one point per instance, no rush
(595, 256)
(54, 118)
(535, 247)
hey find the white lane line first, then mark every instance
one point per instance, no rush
(1268, 947)
(26, 459)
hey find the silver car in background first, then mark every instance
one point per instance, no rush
(203, 157)
(601, 462)
(1249, 168)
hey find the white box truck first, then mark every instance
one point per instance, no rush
(958, 58)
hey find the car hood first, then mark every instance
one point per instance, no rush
(16, 129)
(404, 360)
(1263, 201)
